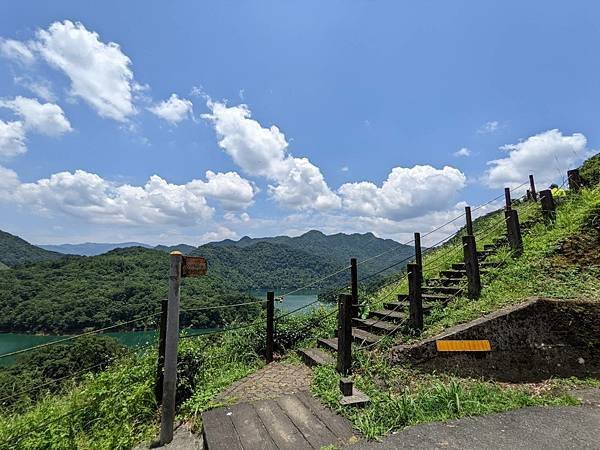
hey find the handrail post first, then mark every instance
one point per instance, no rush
(469, 219)
(171, 343)
(270, 326)
(575, 181)
(532, 188)
(160, 362)
(419, 256)
(548, 205)
(507, 199)
(354, 286)
(471, 266)
(344, 353)
(415, 298)
(514, 232)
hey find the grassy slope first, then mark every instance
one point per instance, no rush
(402, 396)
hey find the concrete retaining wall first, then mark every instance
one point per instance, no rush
(532, 341)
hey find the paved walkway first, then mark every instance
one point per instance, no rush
(538, 428)
(272, 381)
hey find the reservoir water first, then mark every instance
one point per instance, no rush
(11, 342)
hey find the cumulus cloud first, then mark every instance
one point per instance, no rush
(547, 155)
(16, 50)
(462, 152)
(39, 86)
(407, 192)
(92, 198)
(44, 118)
(173, 110)
(99, 72)
(231, 190)
(12, 139)
(260, 151)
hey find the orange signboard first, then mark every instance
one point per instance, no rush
(463, 346)
(194, 266)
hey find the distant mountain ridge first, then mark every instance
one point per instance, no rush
(90, 248)
(15, 251)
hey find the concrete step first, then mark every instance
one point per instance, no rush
(315, 357)
(401, 307)
(377, 325)
(425, 297)
(454, 274)
(432, 282)
(363, 336)
(390, 314)
(441, 290)
(328, 344)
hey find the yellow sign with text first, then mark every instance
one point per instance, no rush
(463, 346)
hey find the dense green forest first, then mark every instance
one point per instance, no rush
(14, 250)
(74, 293)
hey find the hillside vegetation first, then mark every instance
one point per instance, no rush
(74, 293)
(14, 251)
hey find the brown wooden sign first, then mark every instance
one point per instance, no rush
(194, 266)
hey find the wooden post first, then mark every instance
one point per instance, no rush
(171, 343)
(344, 353)
(415, 299)
(160, 362)
(471, 266)
(532, 188)
(575, 181)
(469, 221)
(270, 327)
(548, 206)
(419, 257)
(507, 199)
(354, 286)
(514, 232)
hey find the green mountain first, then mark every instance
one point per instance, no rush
(89, 248)
(333, 250)
(14, 251)
(73, 293)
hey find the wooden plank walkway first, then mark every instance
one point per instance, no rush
(297, 421)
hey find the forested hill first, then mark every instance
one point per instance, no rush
(337, 248)
(76, 292)
(89, 248)
(14, 251)
(266, 265)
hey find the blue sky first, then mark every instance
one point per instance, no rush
(354, 119)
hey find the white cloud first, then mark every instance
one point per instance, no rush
(12, 139)
(218, 234)
(44, 118)
(230, 189)
(259, 151)
(345, 169)
(489, 127)
(100, 73)
(462, 152)
(89, 197)
(547, 155)
(40, 87)
(173, 110)
(407, 192)
(16, 50)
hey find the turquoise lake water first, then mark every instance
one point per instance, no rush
(11, 342)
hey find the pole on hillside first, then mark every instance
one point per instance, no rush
(160, 362)
(575, 181)
(344, 353)
(548, 205)
(507, 199)
(532, 188)
(514, 232)
(471, 266)
(354, 286)
(419, 256)
(469, 218)
(270, 326)
(415, 299)
(171, 342)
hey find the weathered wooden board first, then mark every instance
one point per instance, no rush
(194, 266)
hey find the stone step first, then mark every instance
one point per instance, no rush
(432, 282)
(441, 290)
(390, 314)
(454, 274)
(377, 325)
(328, 344)
(315, 357)
(403, 306)
(425, 297)
(361, 336)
